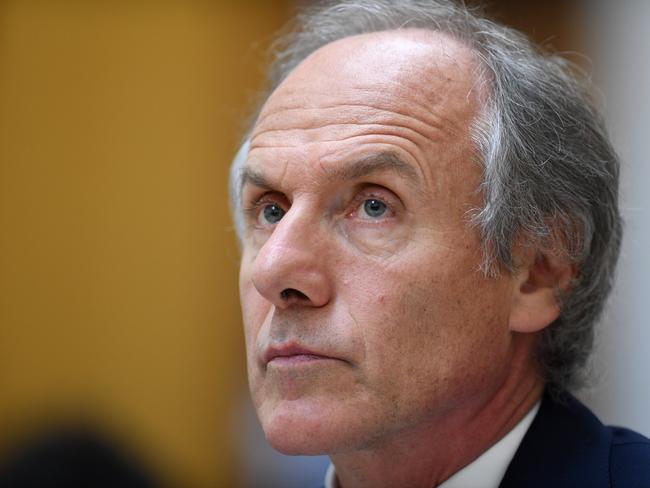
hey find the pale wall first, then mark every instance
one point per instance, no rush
(619, 45)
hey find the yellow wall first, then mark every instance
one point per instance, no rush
(118, 295)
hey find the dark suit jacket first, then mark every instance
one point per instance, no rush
(567, 446)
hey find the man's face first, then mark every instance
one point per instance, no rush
(365, 314)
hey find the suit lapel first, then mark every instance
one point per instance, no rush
(565, 446)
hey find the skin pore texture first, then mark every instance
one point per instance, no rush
(371, 334)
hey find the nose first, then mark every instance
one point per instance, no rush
(291, 268)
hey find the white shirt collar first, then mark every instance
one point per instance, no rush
(487, 470)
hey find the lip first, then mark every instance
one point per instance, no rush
(294, 352)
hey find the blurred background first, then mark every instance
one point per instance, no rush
(119, 315)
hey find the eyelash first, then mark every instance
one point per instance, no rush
(364, 196)
(257, 203)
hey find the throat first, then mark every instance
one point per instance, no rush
(453, 450)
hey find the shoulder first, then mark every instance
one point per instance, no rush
(567, 446)
(629, 458)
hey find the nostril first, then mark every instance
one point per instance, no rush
(291, 293)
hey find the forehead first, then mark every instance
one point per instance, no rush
(412, 89)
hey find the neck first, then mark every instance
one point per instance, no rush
(427, 455)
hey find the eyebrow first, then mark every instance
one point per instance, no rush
(374, 163)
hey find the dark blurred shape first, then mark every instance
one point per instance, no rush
(71, 458)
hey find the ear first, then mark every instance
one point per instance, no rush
(537, 281)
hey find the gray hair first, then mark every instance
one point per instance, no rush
(550, 174)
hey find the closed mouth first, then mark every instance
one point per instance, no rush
(292, 353)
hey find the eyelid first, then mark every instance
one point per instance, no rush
(368, 192)
(256, 202)
(252, 193)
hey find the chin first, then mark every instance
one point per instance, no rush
(298, 428)
(295, 446)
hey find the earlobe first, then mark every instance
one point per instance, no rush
(537, 282)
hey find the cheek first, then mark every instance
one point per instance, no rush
(253, 306)
(429, 329)
(457, 332)
(255, 310)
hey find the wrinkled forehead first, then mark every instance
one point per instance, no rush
(391, 68)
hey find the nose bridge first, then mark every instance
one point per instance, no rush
(291, 242)
(291, 266)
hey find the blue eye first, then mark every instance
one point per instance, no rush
(272, 213)
(374, 208)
